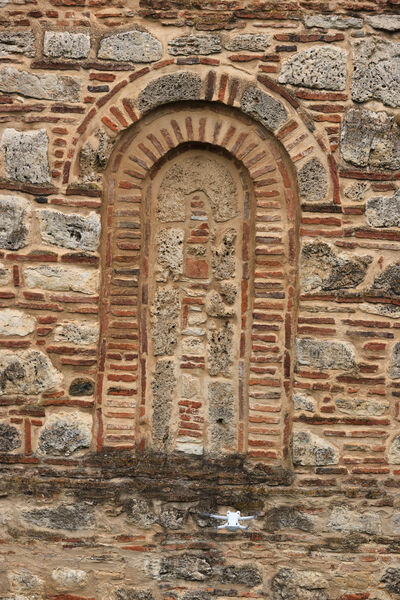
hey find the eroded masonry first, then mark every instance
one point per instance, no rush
(199, 299)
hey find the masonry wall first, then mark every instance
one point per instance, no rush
(199, 299)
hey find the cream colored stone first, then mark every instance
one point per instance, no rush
(57, 278)
(16, 322)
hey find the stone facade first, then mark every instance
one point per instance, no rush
(199, 299)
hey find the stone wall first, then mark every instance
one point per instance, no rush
(199, 298)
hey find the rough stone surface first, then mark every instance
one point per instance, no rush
(165, 313)
(394, 369)
(348, 521)
(16, 322)
(133, 594)
(14, 222)
(134, 46)
(384, 22)
(292, 584)
(81, 387)
(311, 450)
(189, 45)
(264, 108)
(386, 310)
(64, 516)
(46, 86)
(356, 191)
(141, 512)
(319, 67)
(17, 42)
(249, 42)
(65, 44)
(361, 406)
(287, 517)
(323, 269)
(23, 581)
(247, 575)
(393, 454)
(77, 332)
(383, 211)
(324, 354)
(170, 88)
(62, 279)
(303, 402)
(391, 580)
(220, 350)
(162, 385)
(172, 518)
(221, 404)
(10, 438)
(370, 139)
(66, 579)
(388, 282)
(93, 160)
(170, 253)
(376, 74)
(5, 274)
(25, 154)
(65, 434)
(186, 566)
(223, 258)
(69, 230)
(26, 372)
(332, 22)
(313, 181)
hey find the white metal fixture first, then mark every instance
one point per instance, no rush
(232, 519)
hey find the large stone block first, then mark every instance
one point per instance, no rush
(65, 434)
(311, 450)
(69, 580)
(170, 88)
(140, 512)
(70, 517)
(170, 253)
(393, 454)
(320, 354)
(77, 332)
(69, 230)
(188, 45)
(65, 44)
(17, 42)
(384, 22)
(94, 160)
(26, 372)
(23, 581)
(26, 155)
(383, 211)
(333, 22)
(249, 42)
(361, 407)
(45, 87)
(220, 357)
(319, 67)
(247, 575)
(391, 580)
(186, 566)
(313, 181)
(16, 322)
(394, 369)
(287, 517)
(62, 279)
(376, 71)
(388, 282)
(264, 108)
(14, 222)
(163, 386)
(134, 46)
(10, 438)
(293, 584)
(346, 520)
(221, 402)
(370, 139)
(165, 311)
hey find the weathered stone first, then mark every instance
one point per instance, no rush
(319, 67)
(62, 279)
(384, 22)
(165, 312)
(311, 450)
(323, 269)
(14, 222)
(92, 161)
(376, 71)
(170, 253)
(386, 310)
(221, 403)
(223, 256)
(220, 350)
(195, 174)
(228, 292)
(321, 354)
(287, 517)
(186, 566)
(356, 191)
(189, 45)
(264, 108)
(382, 211)
(313, 181)
(172, 518)
(393, 454)
(77, 332)
(134, 46)
(66, 579)
(141, 512)
(249, 42)
(25, 154)
(65, 434)
(5, 272)
(370, 139)
(246, 575)
(394, 369)
(348, 521)
(291, 584)
(26, 372)
(303, 402)
(162, 385)
(81, 387)
(69, 230)
(391, 580)
(17, 42)
(23, 581)
(190, 386)
(64, 516)
(45, 87)
(65, 44)
(388, 282)
(133, 594)
(15, 322)
(10, 438)
(361, 406)
(333, 22)
(170, 88)
(215, 306)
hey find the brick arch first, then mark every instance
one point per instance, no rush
(270, 269)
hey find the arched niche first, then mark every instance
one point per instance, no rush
(199, 283)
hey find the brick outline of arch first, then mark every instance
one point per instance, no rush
(269, 422)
